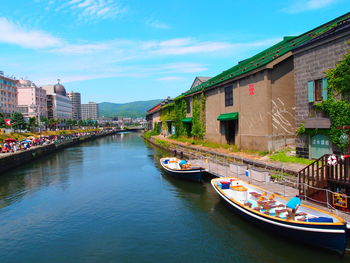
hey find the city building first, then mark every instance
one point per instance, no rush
(89, 111)
(31, 100)
(59, 106)
(76, 104)
(311, 60)
(8, 94)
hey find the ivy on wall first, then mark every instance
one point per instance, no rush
(180, 109)
(337, 106)
(167, 114)
(198, 116)
(176, 112)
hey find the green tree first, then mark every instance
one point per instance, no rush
(44, 121)
(53, 123)
(32, 123)
(74, 122)
(2, 121)
(337, 106)
(69, 123)
(80, 123)
(18, 122)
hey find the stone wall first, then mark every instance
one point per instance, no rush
(310, 63)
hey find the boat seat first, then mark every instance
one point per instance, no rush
(301, 214)
(278, 212)
(271, 197)
(278, 206)
(248, 204)
(257, 208)
(255, 194)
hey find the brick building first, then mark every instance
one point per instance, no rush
(311, 60)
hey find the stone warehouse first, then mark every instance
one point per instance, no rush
(253, 104)
(311, 60)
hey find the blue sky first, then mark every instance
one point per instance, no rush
(122, 51)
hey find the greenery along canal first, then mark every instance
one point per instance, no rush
(108, 201)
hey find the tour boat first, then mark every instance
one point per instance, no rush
(173, 167)
(310, 226)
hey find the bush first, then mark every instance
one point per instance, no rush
(149, 134)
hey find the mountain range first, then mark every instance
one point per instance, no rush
(133, 109)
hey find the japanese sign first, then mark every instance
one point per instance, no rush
(251, 89)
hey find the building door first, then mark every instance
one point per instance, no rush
(230, 131)
(320, 145)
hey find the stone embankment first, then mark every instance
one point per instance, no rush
(189, 150)
(12, 160)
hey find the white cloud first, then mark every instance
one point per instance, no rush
(182, 67)
(14, 34)
(170, 78)
(94, 9)
(81, 48)
(156, 24)
(302, 6)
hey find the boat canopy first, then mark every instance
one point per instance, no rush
(228, 116)
(187, 120)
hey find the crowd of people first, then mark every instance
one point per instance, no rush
(11, 145)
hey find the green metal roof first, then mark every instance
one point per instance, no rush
(187, 120)
(268, 55)
(228, 116)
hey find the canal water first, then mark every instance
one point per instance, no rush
(108, 201)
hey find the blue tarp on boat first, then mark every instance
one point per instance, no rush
(321, 220)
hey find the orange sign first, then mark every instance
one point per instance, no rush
(340, 200)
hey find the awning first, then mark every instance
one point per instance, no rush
(228, 116)
(317, 123)
(187, 120)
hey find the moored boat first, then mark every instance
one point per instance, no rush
(182, 169)
(311, 226)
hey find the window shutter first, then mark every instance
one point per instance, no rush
(324, 89)
(310, 91)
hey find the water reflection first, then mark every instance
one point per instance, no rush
(53, 169)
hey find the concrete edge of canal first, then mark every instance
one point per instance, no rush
(255, 163)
